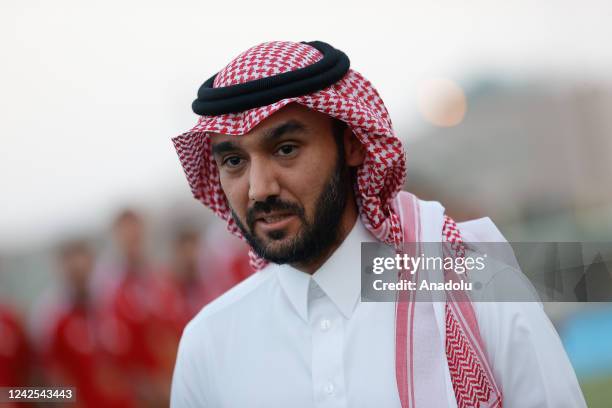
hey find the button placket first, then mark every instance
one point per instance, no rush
(326, 324)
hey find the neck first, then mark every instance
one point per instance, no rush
(349, 217)
(134, 264)
(80, 295)
(185, 274)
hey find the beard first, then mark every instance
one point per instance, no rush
(315, 237)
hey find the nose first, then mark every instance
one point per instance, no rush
(263, 181)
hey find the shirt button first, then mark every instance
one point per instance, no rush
(329, 388)
(325, 324)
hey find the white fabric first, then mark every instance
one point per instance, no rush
(285, 339)
(433, 387)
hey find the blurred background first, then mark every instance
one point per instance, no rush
(505, 110)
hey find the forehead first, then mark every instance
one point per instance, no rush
(308, 118)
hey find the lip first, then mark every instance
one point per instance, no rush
(271, 222)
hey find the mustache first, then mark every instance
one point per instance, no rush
(272, 204)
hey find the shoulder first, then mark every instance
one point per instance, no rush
(480, 230)
(206, 336)
(527, 356)
(235, 300)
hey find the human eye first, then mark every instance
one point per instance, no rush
(287, 150)
(232, 161)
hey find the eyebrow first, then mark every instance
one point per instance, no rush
(290, 126)
(269, 136)
(224, 147)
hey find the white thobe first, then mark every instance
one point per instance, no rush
(283, 338)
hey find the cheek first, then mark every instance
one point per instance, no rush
(236, 191)
(306, 181)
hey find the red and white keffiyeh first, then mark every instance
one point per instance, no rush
(352, 100)
(355, 101)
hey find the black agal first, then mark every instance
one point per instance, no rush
(265, 91)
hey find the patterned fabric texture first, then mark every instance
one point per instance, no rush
(352, 100)
(473, 382)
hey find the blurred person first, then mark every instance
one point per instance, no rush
(129, 235)
(16, 360)
(296, 152)
(15, 351)
(191, 280)
(77, 344)
(227, 261)
(186, 290)
(134, 303)
(182, 292)
(201, 268)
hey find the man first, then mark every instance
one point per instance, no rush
(15, 352)
(182, 293)
(296, 152)
(76, 345)
(185, 291)
(225, 260)
(133, 302)
(15, 358)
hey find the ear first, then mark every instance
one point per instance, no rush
(354, 151)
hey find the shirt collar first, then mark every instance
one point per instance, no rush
(338, 277)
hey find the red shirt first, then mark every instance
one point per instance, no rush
(142, 336)
(14, 350)
(79, 354)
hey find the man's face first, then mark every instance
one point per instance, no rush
(129, 233)
(186, 250)
(286, 182)
(77, 264)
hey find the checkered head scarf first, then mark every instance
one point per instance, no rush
(351, 99)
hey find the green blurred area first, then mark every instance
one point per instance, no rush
(598, 392)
